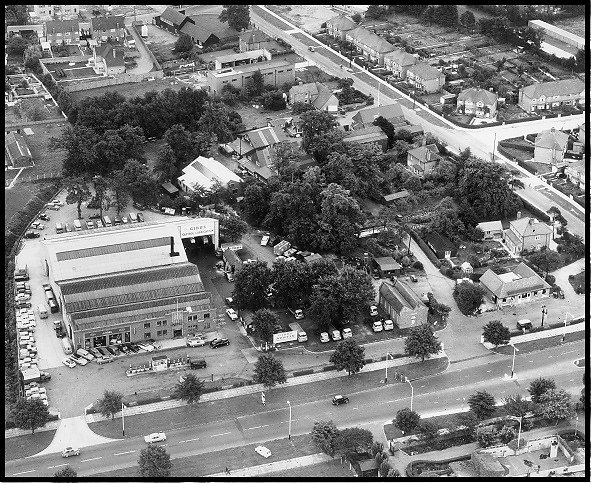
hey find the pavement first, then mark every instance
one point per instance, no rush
(255, 471)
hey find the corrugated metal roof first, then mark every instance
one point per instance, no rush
(109, 249)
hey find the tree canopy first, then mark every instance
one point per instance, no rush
(251, 284)
(482, 404)
(190, 389)
(555, 405)
(353, 440)
(349, 356)
(154, 462)
(407, 420)
(539, 386)
(421, 342)
(237, 16)
(468, 296)
(110, 404)
(29, 414)
(324, 434)
(496, 333)
(264, 322)
(269, 371)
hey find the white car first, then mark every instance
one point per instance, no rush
(263, 451)
(146, 347)
(38, 225)
(373, 311)
(155, 437)
(195, 342)
(265, 240)
(377, 326)
(324, 337)
(69, 451)
(347, 333)
(58, 202)
(79, 360)
(232, 314)
(68, 362)
(388, 325)
(124, 219)
(84, 353)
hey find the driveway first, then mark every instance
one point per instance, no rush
(144, 63)
(562, 279)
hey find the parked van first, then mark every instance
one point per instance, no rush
(49, 295)
(67, 345)
(43, 314)
(107, 221)
(77, 225)
(59, 228)
(133, 217)
(53, 306)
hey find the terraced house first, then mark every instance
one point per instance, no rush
(59, 31)
(373, 46)
(552, 95)
(477, 101)
(103, 28)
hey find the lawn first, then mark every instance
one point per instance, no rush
(17, 197)
(540, 344)
(132, 89)
(27, 445)
(330, 469)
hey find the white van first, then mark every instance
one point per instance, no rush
(107, 221)
(77, 225)
(43, 314)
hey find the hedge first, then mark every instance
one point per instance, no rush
(516, 145)
(305, 372)
(328, 368)
(8, 424)
(430, 255)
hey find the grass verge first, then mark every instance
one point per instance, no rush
(27, 445)
(330, 469)
(540, 344)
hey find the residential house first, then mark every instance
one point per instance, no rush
(59, 31)
(491, 229)
(339, 26)
(392, 197)
(516, 287)
(207, 30)
(275, 73)
(104, 28)
(48, 12)
(550, 95)
(403, 306)
(386, 266)
(477, 101)
(398, 62)
(366, 117)
(527, 234)
(205, 172)
(171, 19)
(315, 93)
(423, 160)
(233, 262)
(373, 46)
(467, 268)
(550, 146)
(425, 78)
(108, 59)
(575, 173)
(370, 134)
(16, 152)
(253, 40)
(442, 246)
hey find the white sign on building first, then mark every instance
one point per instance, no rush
(285, 336)
(198, 227)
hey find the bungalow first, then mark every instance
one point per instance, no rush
(339, 26)
(402, 305)
(387, 266)
(253, 40)
(373, 46)
(550, 95)
(392, 197)
(516, 287)
(425, 78)
(527, 234)
(16, 151)
(171, 20)
(105, 28)
(491, 229)
(442, 247)
(480, 102)
(366, 117)
(398, 62)
(205, 172)
(423, 160)
(550, 146)
(370, 134)
(315, 93)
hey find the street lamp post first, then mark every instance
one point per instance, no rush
(520, 418)
(387, 355)
(123, 418)
(515, 349)
(289, 428)
(412, 391)
(544, 312)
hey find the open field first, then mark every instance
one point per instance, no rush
(132, 89)
(307, 17)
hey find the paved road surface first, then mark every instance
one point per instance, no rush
(368, 408)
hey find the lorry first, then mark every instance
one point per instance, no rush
(297, 313)
(281, 247)
(302, 336)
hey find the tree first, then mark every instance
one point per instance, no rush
(274, 101)
(218, 120)
(190, 389)
(517, 406)
(250, 285)
(468, 20)
(482, 404)
(119, 189)
(301, 107)
(269, 371)
(315, 124)
(66, 472)
(179, 140)
(16, 46)
(357, 18)
(555, 405)
(375, 11)
(348, 356)
(233, 227)
(110, 404)
(183, 44)
(540, 386)
(29, 414)
(78, 191)
(486, 439)
(324, 434)
(101, 188)
(384, 468)
(393, 473)
(447, 15)
(506, 434)
(496, 333)
(407, 420)
(142, 183)
(556, 214)
(255, 86)
(376, 448)
(468, 296)
(428, 430)
(154, 462)
(264, 322)
(17, 14)
(255, 204)
(435, 308)
(421, 342)
(353, 440)
(165, 164)
(546, 260)
(237, 16)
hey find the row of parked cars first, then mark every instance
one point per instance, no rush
(103, 355)
(37, 224)
(96, 221)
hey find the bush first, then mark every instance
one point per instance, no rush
(305, 372)
(418, 265)
(486, 439)
(506, 434)
(551, 279)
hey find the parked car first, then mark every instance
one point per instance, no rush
(32, 234)
(229, 301)
(95, 352)
(373, 311)
(146, 347)
(232, 314)
(219, 342)
(68, 362)
(524, 324)
(70, 451)
(95, 216)
(140, 217)
(37, 225)
(90, 224)
(198, 364)
(347, 333)
(134, 348)
(155, 437)
(388, 325)
(413, 278)
(104, 352)
(123, 349)
(104, 359)
(84, 353)
(44, 217)
(377, 326)
(339, 399)
(79, 360)
(263, 451)
(195, 342)
(324, 337)
(229, 276)
(124, 219)
(58, 202)
(112, 350)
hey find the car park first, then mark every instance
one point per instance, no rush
(44, 217)
(70, 451)
(195, 342)
(219, 342)
(155, 437)
(388, 325)
(324, 337)
(263, 451)
(232, 314)
(377, 326)
(347, 333)
(68, 362)
(339, 399)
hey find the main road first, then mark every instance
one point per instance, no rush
(369, 407)
(480, 141)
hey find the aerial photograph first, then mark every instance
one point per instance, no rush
(295, 241)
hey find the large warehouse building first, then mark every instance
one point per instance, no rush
(130, 283)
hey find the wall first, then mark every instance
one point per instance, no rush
(113, 81)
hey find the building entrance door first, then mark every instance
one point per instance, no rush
(177, 333)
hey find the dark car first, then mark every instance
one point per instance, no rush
(113, 350)
(338, 400)
(277, 328)
(134, 348)
(123, 349)
(44, 217)
(32, 234)
(198, 364)
(104, 351)
(140, 217)
(94, 351)
(44, 376)
(117, 220)
(215, 343)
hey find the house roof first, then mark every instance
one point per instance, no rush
(241, 147)
(246, 68)
(400, 296)
(372, 40)
(521, 279)
(55, 26)
(424, 71)
(310, 88)
(324, 95)
(342, 22)
(552, 139)
(173, 16)
(263, 171)
(113, 57)
(265, 136)
(555, 88)
(466, 266)
(370, 114)
(401, 57)
(368, 134)
(490, 225)
(475, 95)
(168, 186)
(205, 171)
(210, 24)
(439, 241)
(387, 263)
(254, 36)
(425, 153)
(108, 23)
(529, 226)
(396, 196)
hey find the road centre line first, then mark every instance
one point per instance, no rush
(256, 427)
(92, 459)
(221, 434)
(56, 466)
(125, 452)
(188, 440)
(24, 472)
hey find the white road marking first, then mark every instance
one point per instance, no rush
(187, 440)
(355, 408)
(571, 380)
(23, 472)
(221, 434)
(254, 427)
(125, 452)
(488, 371)
(423, 385)
(56, 466)
(92, 459)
